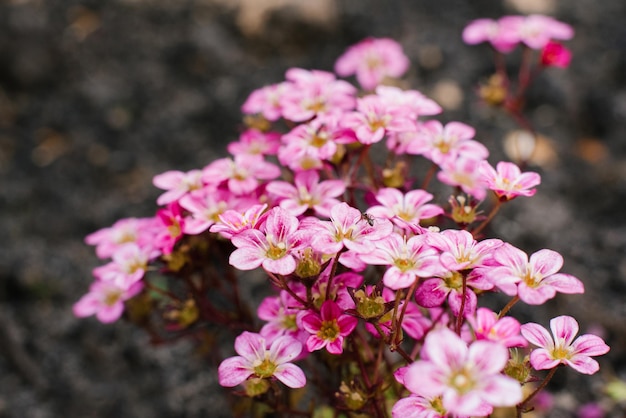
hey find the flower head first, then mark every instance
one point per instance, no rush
(328, 328)
(562, 348)
(263, 360)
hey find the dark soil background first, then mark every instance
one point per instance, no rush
(98, 97)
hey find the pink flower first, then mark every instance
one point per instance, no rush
(266, 101)
(460, 251)
(232, 221)
(169, 228)
(348, 228)
(468, 379)
(307, 192)
(535, 280)
(561, 348)
(408, 259)
(534, 30)
(262, 360)
(413, 102)
(124, 231)
(374, 119)
(129, 264)
(464, 172)
(106, 300)
(507, 181)
(255, 142)
(315, 93)
(272, 247)
(281, 313)
(372, 60)
(204, 208)
(404, 210)
(488, 30)
(328, 328)
(444, 144)
(487, 326)
(177, 184)
(242, 174)
(555, 54)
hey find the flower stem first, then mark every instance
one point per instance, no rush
(484, 223)
(508, 306)
(520, 406)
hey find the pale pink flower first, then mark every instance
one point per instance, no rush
(464, 172)
(255, 142)
(374, 119)
(534, 280)
(307, 192)
(106, 299)
(445, 144)
(315, 93)
(460, 251)
(177, 184)
(507, 181)
(487, 326)
(468, 379)
(535, 31)
(266, 101)
(489, 30)
(562, 348)
(272, 247)
(232, 221)
(259, 358)
(408, 259)
(416, 406)
(124, 231)
(413, 102)
(281, 313)
(204, 208)
(328, 328)
(372, 60)
(555, 54)
(129, 264)
(241, 174)
(350, 228)
(404, 210)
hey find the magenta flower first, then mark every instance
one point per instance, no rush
(562, 348)
(258, 360)
(555, 54)
(106, 300)
(408, 259)
(281, 313)
(328, 328)
(232, 221)
(487, 326)
(507, 181)
(177, 184)
(534, 280)
(468, 379)
(372, 60)
(272, 247)
(307, 192)
(169, 227)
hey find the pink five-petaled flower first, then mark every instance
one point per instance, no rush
(507, 181)
(554, 54)
(408, 259)
(272, 247)
(328, 328)
(444, 144)
(487, 326)
(348, 227)
(106, 300)
(177, 184)
(561, 348)
(257, 359)
(242, 174)
(404, 210)
(307, 192)
(468, 379)
(483, 30)
(372, 60)
(535, 280)
(535, 31)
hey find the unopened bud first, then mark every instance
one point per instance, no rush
(256, 386)
(369, 307)
(351, 396)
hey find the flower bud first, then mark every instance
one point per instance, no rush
(494, 92)
(256, 386)
(353, 398)
(369, 307)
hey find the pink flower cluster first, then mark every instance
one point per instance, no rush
(293, 204)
